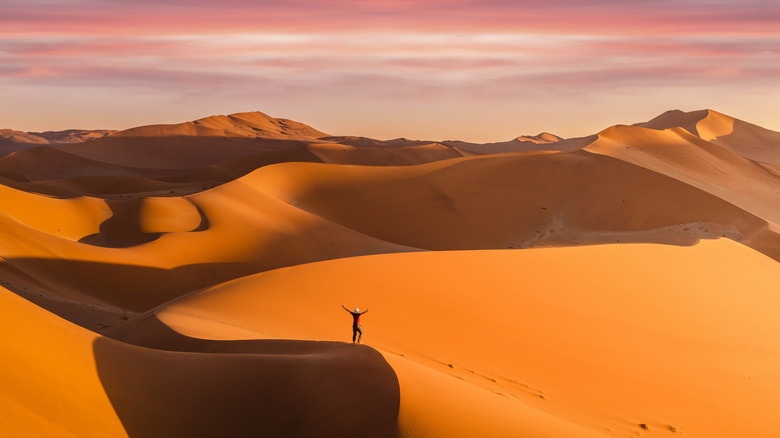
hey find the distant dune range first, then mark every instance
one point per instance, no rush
(186, 280)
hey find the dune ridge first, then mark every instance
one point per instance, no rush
(61, 380)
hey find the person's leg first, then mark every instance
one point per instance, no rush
(359, 330)
(354, 333)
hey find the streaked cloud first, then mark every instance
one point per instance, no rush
(586, 16)
(353, 53)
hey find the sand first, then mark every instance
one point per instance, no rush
(186, 280)
(589, 336)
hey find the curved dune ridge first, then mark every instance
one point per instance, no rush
(60, 380)
(186, 280)
(742, 138)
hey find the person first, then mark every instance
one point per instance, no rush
(357, 329)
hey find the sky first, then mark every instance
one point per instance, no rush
(437, 70)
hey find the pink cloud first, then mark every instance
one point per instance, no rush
(553, 16)
(359, 53)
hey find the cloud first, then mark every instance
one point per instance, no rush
(659, 17)
(356, 53)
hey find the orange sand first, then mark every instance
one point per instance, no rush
(186, 280)
(604, 337)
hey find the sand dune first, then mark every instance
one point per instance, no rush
(545, 199)
(60, 380)
(542, 142)
(676, 153)
(352, 140)
(45, 162)
(742, 138)
(385, 156)
(186, 280)
(14, 141)
(56, 172)
(10, 137)
(676, 119)
(53, 137)
(50, 384)
(251, 124)
(203, 142)
(746, 139)
(87, 248)
(184, 152)
(564, 337)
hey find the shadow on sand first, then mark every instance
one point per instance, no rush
(170, 385)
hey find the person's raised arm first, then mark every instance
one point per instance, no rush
(345, 308)
(364, 311)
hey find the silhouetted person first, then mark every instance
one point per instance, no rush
(356, 328)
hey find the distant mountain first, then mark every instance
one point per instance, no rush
(250, 124)
(12, 141)
(51, 137)
(198, 143)
(541, 142)
(210, 141)
(740, 137)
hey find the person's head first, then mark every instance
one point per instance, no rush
(357, 310)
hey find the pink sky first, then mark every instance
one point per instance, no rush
(471, 70)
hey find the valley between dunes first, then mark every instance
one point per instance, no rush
(187, 280)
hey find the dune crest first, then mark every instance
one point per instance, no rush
(60, 380)
(742, 138)
(250, 124)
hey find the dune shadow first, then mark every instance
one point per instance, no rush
(162, 383)
(94, 294)
(123, 229)
(177, 152)
(752, 142)
(143, 166)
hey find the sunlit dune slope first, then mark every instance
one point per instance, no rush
(678, 154)
(743, 138)
(740, 137)
(513, 200)
(292, 213)
(60, 380)
(138, 253)
(50, 383)
(196, 144)
(622, 340)
(676, 119)
(250, 124)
